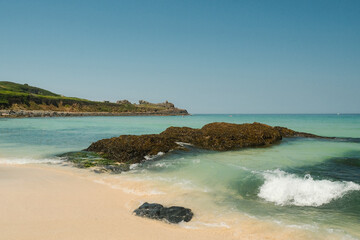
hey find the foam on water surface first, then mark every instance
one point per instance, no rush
(288, 189)
(21, 161)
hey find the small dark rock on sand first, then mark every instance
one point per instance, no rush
(157, 211)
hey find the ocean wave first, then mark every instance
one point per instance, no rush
(283, 188)
(19, 161)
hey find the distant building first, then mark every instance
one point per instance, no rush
(143, 102)
(123, 102)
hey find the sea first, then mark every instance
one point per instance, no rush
(309, 185)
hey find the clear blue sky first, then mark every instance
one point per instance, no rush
(207, 56)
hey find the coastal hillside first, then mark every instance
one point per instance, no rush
(16, 97)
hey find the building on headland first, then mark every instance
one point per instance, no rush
(123, 102)
(165, 104)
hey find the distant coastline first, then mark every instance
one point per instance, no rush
(41, 113)
(22, 100)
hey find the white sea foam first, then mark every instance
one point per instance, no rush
(288, 189)
(183, 144)
(199, 224)
(19, 161)
(162, 164)
(312, 227)
(129, 190)
(139, 193)
(151, 157)
(133, 166)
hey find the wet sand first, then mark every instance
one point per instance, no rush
(46, 202)
(38, 203)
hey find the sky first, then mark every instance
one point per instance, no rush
(206, 56)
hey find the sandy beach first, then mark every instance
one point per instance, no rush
(47, 202)
(38, 203)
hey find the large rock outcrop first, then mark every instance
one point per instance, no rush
(288, 133)
(213, 136)
(218, 136)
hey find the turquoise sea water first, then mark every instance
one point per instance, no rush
(307, 183)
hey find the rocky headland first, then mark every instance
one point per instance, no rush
(218, 136)
(22, 100)
(46, 113)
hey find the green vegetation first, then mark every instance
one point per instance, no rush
(86, 159)
(97, 161)
(14, 96)
(24, 88)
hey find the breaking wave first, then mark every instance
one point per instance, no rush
(283, 188)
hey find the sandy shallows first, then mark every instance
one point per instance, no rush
(46, 203)
(50, 203)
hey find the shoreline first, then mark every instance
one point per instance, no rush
(42, 202)
(45, 113)
(60, 202)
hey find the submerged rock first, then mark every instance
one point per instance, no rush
(218, 136)
(157, 211)
(113, 169)
(85, 159)
(286, 132)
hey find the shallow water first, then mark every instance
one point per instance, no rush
(305, 184)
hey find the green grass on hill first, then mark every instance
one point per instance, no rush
(24, 88)
(16, 96)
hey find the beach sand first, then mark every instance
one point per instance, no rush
(47, 202)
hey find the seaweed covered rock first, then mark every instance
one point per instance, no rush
(84, 159)
(288, 133)
(214, 136)
(98, 162)
(221, 136)
(132, 148)
(172, 214)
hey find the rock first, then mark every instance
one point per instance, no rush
(172, 214)
(218, 136)
(285, 132)
(42, 113)
(221, 136)
(213, 136)
(85, 159)
(132, 148)
(113, 169)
